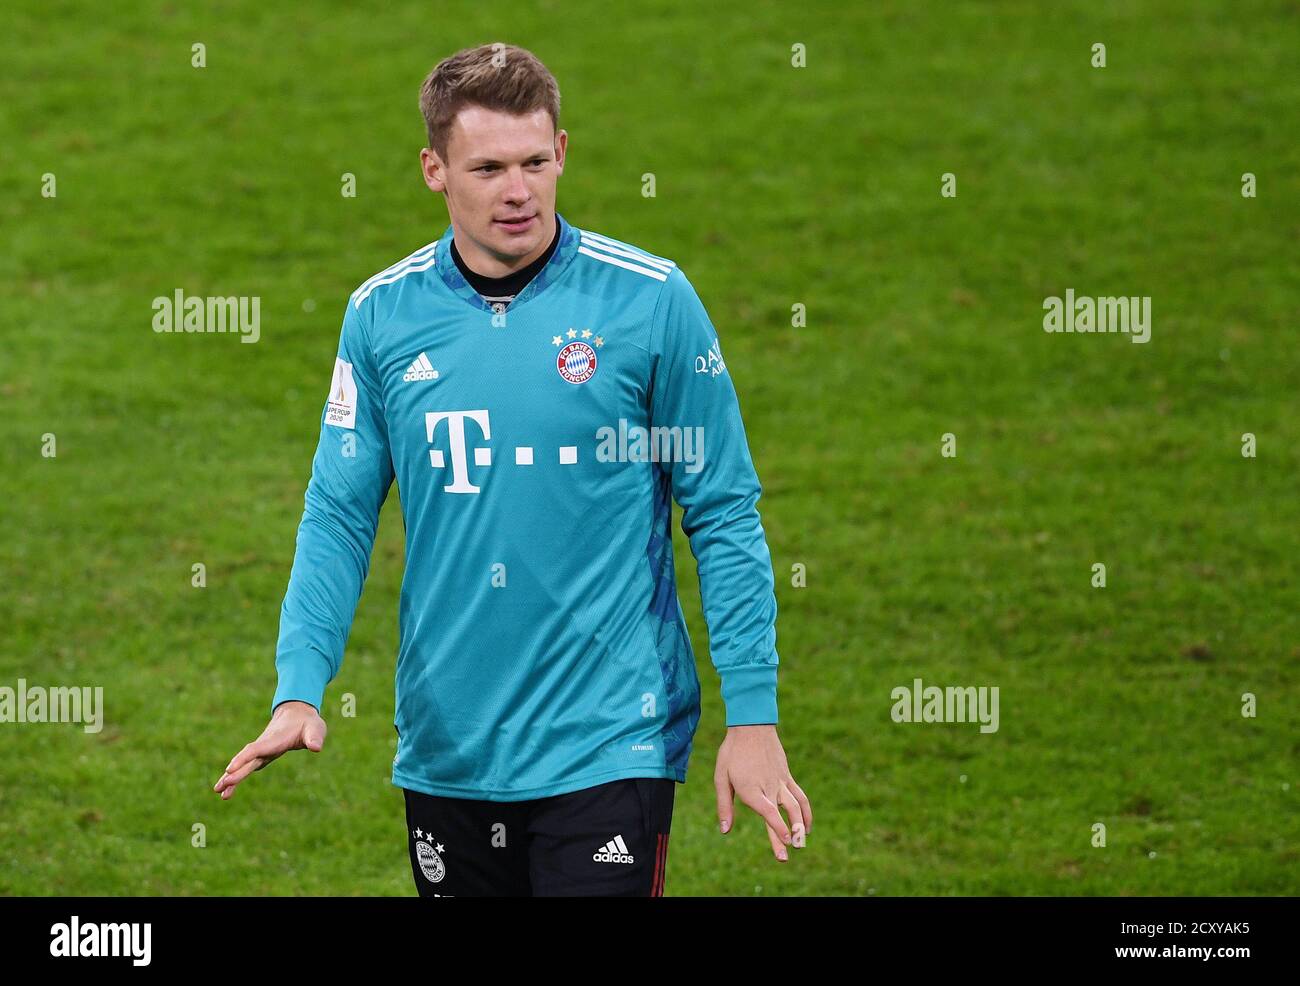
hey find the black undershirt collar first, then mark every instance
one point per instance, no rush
(504, 289)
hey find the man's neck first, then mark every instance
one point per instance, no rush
(504, 288)
(486, 264)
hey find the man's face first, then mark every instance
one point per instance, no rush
(500, 167)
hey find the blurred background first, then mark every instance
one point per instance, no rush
(777, 185)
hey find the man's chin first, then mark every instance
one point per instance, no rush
(513, 247)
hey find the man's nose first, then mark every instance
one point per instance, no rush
(517, 191)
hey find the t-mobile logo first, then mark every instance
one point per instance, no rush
(567, 454)
(456, 432)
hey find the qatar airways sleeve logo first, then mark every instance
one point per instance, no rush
(456, 435)
(712, 363)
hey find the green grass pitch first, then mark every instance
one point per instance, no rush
(776, 185)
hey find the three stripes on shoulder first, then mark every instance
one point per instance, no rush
(592, 245)
(609, 251)
(422, 259)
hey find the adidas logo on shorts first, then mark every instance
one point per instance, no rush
(614, 851)
(421, 369)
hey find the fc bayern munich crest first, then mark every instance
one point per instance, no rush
(431, 864)
(576, 362)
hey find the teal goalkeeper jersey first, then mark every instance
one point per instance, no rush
(537, 450)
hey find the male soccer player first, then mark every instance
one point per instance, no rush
(540, 393)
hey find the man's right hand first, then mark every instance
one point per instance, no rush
(293, 726)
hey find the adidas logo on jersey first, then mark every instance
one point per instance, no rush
(421, 369)
(614, 851)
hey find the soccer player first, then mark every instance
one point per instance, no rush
(540, 393)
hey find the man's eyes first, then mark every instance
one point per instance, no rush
(492, 167)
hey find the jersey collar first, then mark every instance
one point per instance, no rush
(565, 251)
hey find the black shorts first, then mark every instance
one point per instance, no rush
(610, 840)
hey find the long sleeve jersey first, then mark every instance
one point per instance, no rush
(537, 449)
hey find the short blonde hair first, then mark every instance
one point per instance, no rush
(495, 76)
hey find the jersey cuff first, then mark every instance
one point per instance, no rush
(303, 678)
(749, 693)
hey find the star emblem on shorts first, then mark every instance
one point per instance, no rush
(600, 340)
(571, 333)
(556, 340)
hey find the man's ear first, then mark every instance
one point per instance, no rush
(561, 149)
(434, 171)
